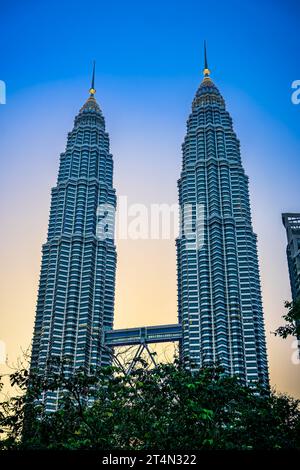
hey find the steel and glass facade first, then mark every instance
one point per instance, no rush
(219, 294)
(291, 222)
(77, 280)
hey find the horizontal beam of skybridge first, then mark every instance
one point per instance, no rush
(145, 334)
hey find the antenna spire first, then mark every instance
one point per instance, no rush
(206, 71)
(92, 89)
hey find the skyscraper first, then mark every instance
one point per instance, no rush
(292, 226)
(219, 295)
(77, 280)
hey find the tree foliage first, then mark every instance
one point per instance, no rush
(292, 318)
(164, 408)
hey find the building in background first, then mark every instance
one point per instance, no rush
(77, 280)
(219, 294)
(291, 223)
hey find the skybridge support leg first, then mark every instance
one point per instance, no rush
(135, 358)
(138, 355)
(129, 367)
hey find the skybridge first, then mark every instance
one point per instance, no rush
(141, 335)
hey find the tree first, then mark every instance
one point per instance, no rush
(292, 318)
(165, 408)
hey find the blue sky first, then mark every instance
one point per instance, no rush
(149, 61)
(252, 45)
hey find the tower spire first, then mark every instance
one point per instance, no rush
(92, 89)
(206, 71)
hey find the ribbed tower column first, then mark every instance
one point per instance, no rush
(219, 296)
(77, 281)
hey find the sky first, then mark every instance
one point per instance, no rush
(149, 60)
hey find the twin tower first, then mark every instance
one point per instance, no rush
(220, 317)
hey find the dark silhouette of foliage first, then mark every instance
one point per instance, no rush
(292, 318)
(165, 408)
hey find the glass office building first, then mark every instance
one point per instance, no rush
(77, 280)
(291, 222)
(219, 294)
